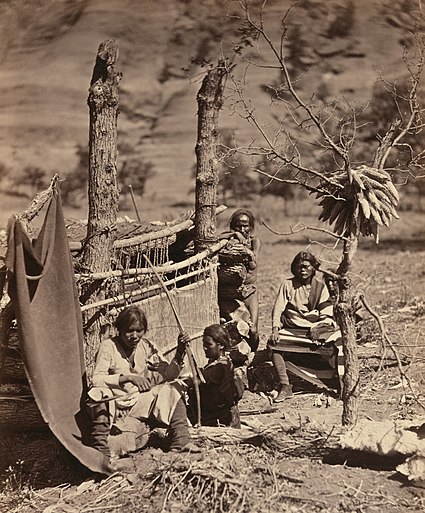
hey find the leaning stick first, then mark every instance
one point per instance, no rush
(134, 202)
(197, 374)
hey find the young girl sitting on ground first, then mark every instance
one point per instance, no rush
(222, 391)
(129, 368)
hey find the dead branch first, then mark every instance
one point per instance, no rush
(341, 151)
(251, 118)
(302, 228)
(302, 183)
(41, 198)
(387, 341)
(392, 138)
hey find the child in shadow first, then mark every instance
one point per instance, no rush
(222, 390)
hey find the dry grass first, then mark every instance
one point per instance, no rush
(278, 467)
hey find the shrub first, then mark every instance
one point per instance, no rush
(33, 177)
(135, 172)
(343, 23)
(132, 170)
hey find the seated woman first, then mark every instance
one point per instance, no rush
(221, 392)
(302, 307)
(130, 369)
(238, 270)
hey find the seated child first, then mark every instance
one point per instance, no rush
(222, 391)
(130, 368)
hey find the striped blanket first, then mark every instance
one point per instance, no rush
(318, 361)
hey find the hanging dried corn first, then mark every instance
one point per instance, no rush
(369, 200)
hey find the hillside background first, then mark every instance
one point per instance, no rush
(48, 48)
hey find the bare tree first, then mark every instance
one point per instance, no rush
(210, 100)
(102, 182)
(356, 197)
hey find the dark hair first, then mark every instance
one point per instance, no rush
(304, 255)
(130, 314)
(219, 333)
(242, 212)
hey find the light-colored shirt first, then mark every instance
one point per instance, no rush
(301, 306)
(112, 362)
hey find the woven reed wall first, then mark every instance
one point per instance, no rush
(197, 308)
(193, 283)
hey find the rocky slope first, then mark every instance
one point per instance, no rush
(48, 50)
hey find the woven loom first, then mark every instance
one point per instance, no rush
(192, 282)
(191, 279)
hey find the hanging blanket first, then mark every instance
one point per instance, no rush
(43, 291)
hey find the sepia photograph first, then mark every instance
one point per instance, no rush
(212, 247)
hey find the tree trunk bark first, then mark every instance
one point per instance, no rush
(210, 101)
(102, 184)
(344, 314)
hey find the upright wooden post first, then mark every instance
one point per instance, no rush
(344, 314)
(102, 182)
(210, 101)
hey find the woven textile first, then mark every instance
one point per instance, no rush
(319, 363)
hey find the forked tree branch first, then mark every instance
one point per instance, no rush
(311, 188)
(249, 116)
(397, 130)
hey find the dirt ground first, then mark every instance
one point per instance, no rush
(286, 460)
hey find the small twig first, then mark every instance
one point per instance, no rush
(112, 490)
(329, 435)
(173, 487)
(356, 490)
(237, 500)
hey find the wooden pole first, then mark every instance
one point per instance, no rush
(196, 372)
(137, 294)
(134, 202)
(102, 183)
(210, 101)
(167, 268)
(150, 236)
